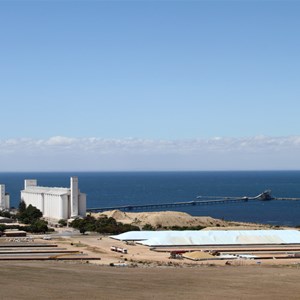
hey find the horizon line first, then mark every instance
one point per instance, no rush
(151, 171)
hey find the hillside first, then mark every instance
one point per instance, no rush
(172, 218)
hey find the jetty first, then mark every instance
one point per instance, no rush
(201, 200)
(164, 205)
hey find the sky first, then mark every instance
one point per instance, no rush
(149, 85)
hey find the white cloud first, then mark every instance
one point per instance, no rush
(59, 141)
(65, 153)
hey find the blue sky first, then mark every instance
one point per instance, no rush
(145, 74)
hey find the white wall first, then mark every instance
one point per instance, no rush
(7, 202)
(30, 182)
(56, 206)
(53, 206)
(82, 205)
(4, 199)
(2, 196)
(35, 199)
(74, 196)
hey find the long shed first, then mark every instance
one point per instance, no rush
(211, 237)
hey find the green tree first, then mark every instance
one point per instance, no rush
(33, 212)
(22, 206)
(82, 229)
(148, 227)
(39, 226)
(62, 222)
(101, 225)
(29, 214)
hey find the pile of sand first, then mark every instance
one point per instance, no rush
(162, 219)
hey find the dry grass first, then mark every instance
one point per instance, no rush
(56, 280)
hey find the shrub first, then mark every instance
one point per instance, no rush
(148, 227)
(5, 214)
(62, 222)
(101, 225)
(29, 214)
(32, 216)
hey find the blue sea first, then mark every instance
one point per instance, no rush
(129, 188)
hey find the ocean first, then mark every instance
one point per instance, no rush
(130, 188)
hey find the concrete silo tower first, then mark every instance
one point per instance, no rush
(74, 197)
(4, 198)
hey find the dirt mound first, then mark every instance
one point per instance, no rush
(116, 214)
(163, 219)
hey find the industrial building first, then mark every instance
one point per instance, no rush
(4, 198)
(55, 202)
(15, 233)
(230, 246)
(211, 237)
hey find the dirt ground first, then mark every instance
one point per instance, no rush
(148, 275)
(96, 246)
(60, 280)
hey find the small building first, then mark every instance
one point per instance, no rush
(6, 220)
(15, 233)
(55, 202)
(4, 198)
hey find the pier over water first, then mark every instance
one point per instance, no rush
(265, 196)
